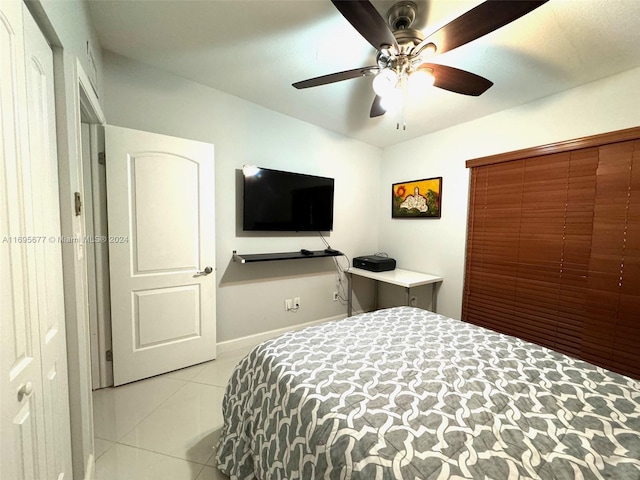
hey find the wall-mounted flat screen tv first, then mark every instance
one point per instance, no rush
(280, 201)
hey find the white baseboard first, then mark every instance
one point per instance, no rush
(251, 340)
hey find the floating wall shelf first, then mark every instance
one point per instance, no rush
(267, 257)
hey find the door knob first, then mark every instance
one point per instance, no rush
(206, 271)
(25, 390)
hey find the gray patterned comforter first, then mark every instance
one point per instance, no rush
(404, 393)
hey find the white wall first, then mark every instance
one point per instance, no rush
(438, 246)
(250, 297)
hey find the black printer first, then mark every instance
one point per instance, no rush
(374, 263)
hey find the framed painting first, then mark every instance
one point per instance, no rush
(417, 198)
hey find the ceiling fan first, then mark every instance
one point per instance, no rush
(403, 51)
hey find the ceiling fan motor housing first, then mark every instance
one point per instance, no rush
(400, 18)
(402, 15)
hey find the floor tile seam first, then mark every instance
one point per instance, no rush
(204, 365)
(180, 379)
(111, 444)
(165, 455)
(223, 387)
(213, 454)
(153, 410)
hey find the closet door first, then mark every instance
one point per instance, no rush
(23, 453)
(46, 256)
(34, 415)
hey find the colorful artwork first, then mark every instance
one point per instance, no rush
(417, 199)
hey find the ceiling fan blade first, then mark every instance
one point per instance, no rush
(456, 80)
(363, 16)
(376, 108)
(336, 77)
(483, 19)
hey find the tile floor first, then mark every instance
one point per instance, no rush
(165, 427)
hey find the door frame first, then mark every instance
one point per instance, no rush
(94, 180)
(75, 98)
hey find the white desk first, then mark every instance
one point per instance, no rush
(403, 278)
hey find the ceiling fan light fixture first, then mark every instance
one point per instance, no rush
(392, 101)
(385, 82)
(420, 80)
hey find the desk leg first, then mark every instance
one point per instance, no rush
(376, 294)
(349, 295)
(434, 297)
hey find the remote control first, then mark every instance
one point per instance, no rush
(304, 251)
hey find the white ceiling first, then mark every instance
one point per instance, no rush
(255, 49)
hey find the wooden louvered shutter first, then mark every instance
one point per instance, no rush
(611, 335)
(553, 252)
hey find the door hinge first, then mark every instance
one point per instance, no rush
(78, 203)
(102, 158)
(109, 355)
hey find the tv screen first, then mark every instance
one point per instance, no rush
(286, 202)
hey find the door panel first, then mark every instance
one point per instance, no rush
(25, 435)
(47, 256)
(172, 218)
(156, 311)
(35, 409)
(161, 225)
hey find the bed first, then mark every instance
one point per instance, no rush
(403, 393)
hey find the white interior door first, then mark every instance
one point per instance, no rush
(35, 406)
(22, 405)
(47, 268)
(160, 197)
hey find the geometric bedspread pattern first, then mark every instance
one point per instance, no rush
(404, 393)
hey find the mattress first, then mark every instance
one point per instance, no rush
(404, 393)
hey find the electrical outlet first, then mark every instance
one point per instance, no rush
(288, 304)
(335, 296)
(296, 302)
